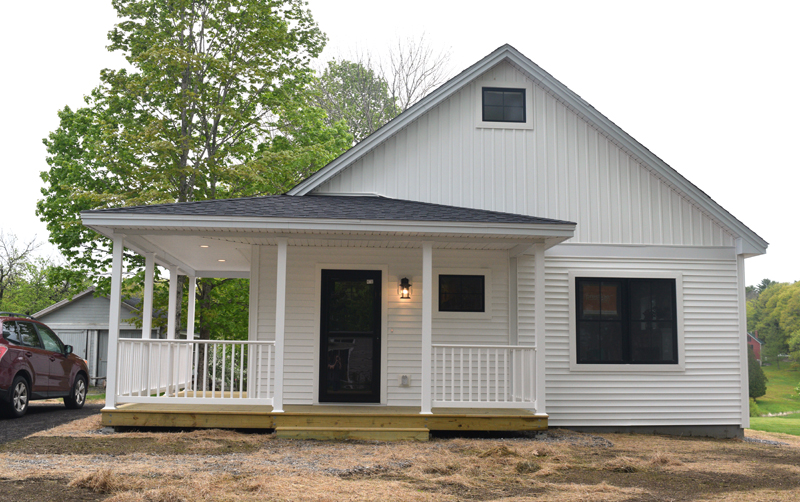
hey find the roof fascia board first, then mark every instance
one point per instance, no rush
(107, 223)
(614, 132)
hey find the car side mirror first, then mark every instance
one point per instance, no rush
(67, 349)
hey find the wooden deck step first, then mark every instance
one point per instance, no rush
(362, 433)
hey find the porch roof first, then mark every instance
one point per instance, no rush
(184, 234)
(358, 207)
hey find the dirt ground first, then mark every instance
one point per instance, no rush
(81, 461)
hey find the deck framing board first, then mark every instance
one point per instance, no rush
(322, 417)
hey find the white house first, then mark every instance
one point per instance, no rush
(556, 268)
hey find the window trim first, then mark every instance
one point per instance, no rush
(526, 85)
(487, 293)
(625, 274)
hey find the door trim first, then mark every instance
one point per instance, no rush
(384, 269)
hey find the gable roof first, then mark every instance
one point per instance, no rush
(333, 207)
(750, 243)
(68, 301)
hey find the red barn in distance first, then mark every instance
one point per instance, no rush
(755, 345)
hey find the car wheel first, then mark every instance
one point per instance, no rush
(19, 398)
(77, 397)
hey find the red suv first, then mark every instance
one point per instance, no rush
(35, 364)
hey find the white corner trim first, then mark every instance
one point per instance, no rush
(477, 99)
(487, 284)
(626, 368)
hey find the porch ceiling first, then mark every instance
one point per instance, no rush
(219, 253)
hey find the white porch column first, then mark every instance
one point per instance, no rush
(252, 323)
(427, 328)
(113, 320)
(172, 307)
(540, 299)
(191, 307)
(280, 325)
(147, 301)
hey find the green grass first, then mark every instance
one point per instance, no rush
(95, 397)
(789, 424)
(780, 394)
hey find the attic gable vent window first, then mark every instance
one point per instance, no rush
(503, 105)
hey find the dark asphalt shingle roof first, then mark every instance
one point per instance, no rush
(332, 207)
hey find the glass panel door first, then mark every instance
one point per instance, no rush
(350, 341)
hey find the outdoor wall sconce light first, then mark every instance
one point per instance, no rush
(405, 289)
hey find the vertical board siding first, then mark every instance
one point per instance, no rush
(402, 334)
(563, 168)
(708, 392)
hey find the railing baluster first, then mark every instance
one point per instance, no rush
(435, 373)
(461, 377)
(195, 370)
(269, 370)
(241, 373)
(496, 377)
(505, 375)
(160, 363)
(214, 372)
(469, 358)
(452, 373)
(222, 373)
(205, 368)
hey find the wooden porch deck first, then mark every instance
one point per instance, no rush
(326, 421)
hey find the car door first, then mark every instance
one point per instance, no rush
(60, 366)
(38, 358)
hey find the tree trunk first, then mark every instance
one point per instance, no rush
(203, 297)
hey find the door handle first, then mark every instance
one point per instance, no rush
(29, 354)
(52, 358)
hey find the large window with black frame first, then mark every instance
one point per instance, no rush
(626, 321)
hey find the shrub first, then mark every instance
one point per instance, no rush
(758, 380)
(754, 411)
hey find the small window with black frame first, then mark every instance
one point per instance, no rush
(626, 321)
(503, 105)
(462, 293)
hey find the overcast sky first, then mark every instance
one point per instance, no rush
(709, 87)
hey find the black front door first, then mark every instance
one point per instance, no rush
(350, 337)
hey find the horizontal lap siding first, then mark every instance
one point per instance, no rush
(708, 392)
(402, 335)
(563, 168)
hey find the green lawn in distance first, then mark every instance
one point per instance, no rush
(780, 394)
(789, 424)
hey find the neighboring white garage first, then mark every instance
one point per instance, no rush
(82, 322)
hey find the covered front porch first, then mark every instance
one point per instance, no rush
(300, 372)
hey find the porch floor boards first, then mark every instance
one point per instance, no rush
(326, 421)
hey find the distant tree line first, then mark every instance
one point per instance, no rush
(774, 312)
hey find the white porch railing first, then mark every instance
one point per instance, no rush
(484, 376)
(196, 371)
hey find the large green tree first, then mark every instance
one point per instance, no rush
(357, 94)
(775, 314)
(214, 104)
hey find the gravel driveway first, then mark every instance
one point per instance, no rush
(42, 416)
